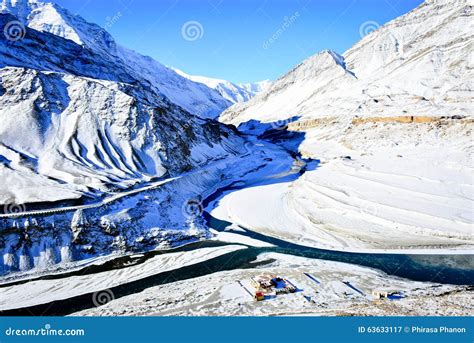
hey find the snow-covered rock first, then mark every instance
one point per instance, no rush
(67, 113)
(256, 87)
(83, 120)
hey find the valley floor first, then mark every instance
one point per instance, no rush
(226, 294)
(404, 199)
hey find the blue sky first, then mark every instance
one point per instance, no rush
(233, 38)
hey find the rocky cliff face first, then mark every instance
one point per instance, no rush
(68, 114)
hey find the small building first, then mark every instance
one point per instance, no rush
(259, 296)
(378, 295)
(271, 286)
(264, 282)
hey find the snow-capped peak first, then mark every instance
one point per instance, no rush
(256, 87)
(235, 93)
(424, 54)
(195, 97)
(12, 4)
(321, 61)
(48, 17)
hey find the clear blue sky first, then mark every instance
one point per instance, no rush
(234, 43)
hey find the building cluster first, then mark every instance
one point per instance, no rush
(271, 286)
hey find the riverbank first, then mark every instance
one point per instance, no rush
(399, 195)
(57, 295)
(220, 294)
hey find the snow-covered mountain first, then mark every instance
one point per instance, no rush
(103, 150)
(194, 97)
(235, 93)
(89, 114)
(418, 64)
(256, 87)
(84, 120)
(391, 121)
(92, 109)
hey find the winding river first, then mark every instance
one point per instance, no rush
(444, 269)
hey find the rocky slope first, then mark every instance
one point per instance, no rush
(80, 116)
(83, 120)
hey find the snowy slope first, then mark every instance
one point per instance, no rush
(256, 87)
(102, 150)
(418, 64)
(85, 115)
(48, 17)
(94, 111)
(86, 123)
(235, 93)
(391, 121)
(82, 117)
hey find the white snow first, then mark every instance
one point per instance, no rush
(194, 97)
(91, 130)
(223, 294)
(235, 93)
(419, 64)
(43, 291)
(412, 196)
(408, 183)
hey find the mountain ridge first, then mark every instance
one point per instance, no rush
(235, 93)
(396, 60)
(391, 121)
(51, 18)
(85, 125)
(116, 140)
